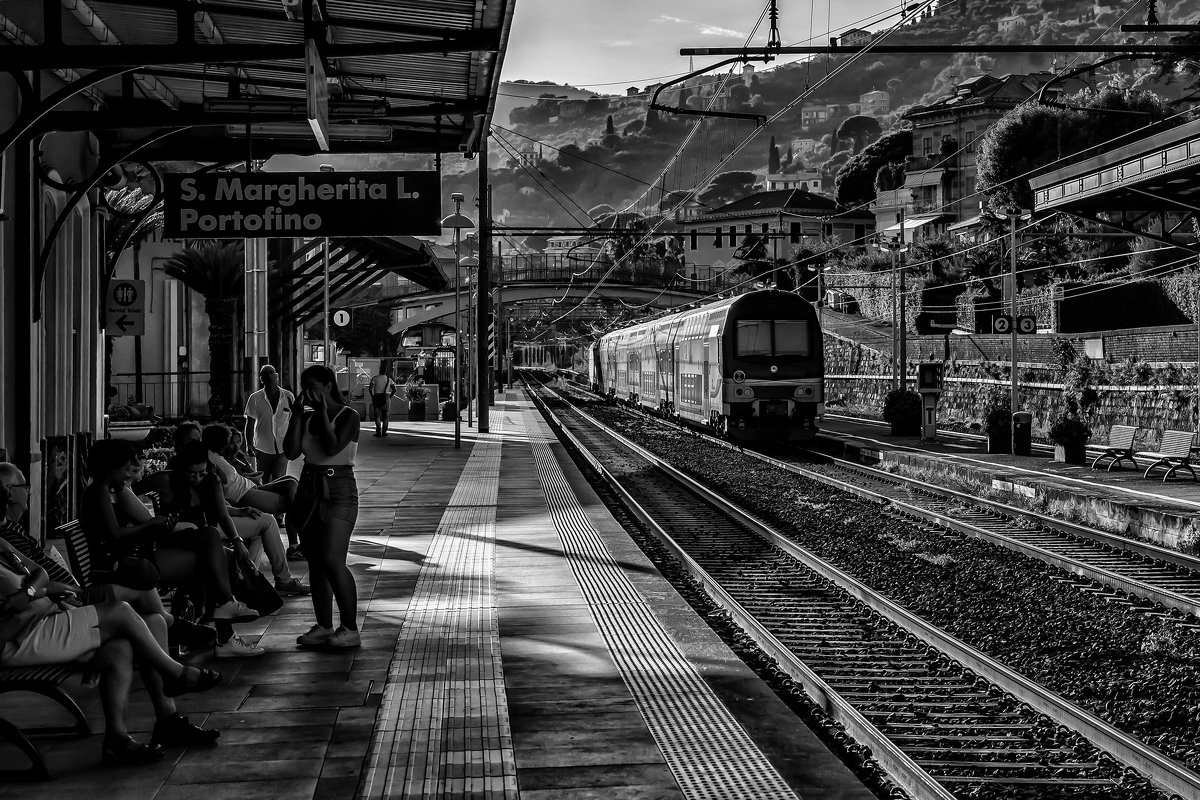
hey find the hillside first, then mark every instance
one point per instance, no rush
(572, 151)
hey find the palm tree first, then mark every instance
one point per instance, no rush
(215, 269)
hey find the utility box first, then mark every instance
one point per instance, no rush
(1022, 433)
(929, 377)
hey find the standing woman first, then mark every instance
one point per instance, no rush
(326, 505)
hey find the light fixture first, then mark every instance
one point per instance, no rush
(287, 105)
(301, 130)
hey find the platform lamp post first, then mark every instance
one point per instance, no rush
(471, 263)
(457, 221)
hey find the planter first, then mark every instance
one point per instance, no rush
(1070, 453)
(130, 431)
(905, 428)
(999, 444)
(416, 412)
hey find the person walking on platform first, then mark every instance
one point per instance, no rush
(382, 389)
(267, 414)
(326, 507)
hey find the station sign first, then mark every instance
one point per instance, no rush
(1025, 324)
(260, 205)
(341, 318)
(125, 308)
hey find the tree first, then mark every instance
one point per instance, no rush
(860, 130)
(1032, 137)
(772, 158)
(215, 270)
(727, 187)
(889, 177)
(855, 181)
(609, 128)
(755, 261)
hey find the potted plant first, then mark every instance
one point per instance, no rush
(997, 424)
(902, 410)
(416, 393)
(1069, 434)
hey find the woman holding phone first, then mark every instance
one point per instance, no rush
(326, 506)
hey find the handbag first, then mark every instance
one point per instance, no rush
(252, 588)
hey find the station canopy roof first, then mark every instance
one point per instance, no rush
(403, 76)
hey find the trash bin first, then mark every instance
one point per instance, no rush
(1022, 425)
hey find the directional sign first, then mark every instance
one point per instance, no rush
(125, 308)
(341, 318)
(1002, 324)
(1026, 324)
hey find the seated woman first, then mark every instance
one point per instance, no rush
(274, 498)
(42, 622)
(117, 525)
(236, 455)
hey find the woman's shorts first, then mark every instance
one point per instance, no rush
(70, 635)
(343, 499)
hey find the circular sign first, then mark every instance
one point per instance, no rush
(125, 294)
(341, 318)
(1002, 324)
(739, 376)
(1026, 324)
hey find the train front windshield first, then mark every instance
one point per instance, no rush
(766, 337)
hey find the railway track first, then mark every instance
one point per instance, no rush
(943, 719)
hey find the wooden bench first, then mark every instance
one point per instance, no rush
(43, 680)
(1175, 453)
(1119, 448)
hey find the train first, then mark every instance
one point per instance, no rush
(750, 367)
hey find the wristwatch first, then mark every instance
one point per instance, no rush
(32, 592)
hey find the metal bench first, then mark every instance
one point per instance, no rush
(44, 680)
(1175, 453)
(79, 554)
(1119, 448)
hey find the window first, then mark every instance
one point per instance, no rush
(694, 238)
(795, 233)
(718, 244)
(733, 235)
(748, 229)
(765, 228)
(927, 146)
(970, 186)
(764, 337)
(860, 232)
(970, 141)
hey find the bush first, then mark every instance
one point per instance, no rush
(416, 391)
(1069, 430)
(902, 409)
(997, 416)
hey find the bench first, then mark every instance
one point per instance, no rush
(1120, 447)
(43, 680)
(1175, 453)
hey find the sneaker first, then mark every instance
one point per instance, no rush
(237, 647)
(315, 637)
(294, 553)
(235, 611)
(292, 586)
(176, 729)
(343, 637)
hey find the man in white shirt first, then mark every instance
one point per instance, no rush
(382, 389)
(267, 413)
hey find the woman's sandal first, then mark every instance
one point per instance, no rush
(190, 681)
(126, 752)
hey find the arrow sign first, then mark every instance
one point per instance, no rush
(125, 308)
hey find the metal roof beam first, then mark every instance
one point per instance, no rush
(92, 56)
(99, 30)
(195, 117)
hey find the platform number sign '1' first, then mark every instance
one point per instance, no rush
(341, 318)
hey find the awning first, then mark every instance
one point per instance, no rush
(912, 223)
(929, 177)
(965, 224)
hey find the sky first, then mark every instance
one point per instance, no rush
(608, 45)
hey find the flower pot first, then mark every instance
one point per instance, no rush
(999, 444)
(416, 412)
(1070, 453)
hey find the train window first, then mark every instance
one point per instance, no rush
(764, 337)
(754, 337)
(791, 337)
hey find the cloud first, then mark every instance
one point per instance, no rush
(618, 43)
(702, 27)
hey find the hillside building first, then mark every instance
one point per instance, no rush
(1013, 26)
(791, 217)
(875, 104)
(807, 181)
(940, 187)
(855, 37)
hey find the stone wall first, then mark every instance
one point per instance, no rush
(857, 379)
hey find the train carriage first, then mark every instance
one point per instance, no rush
(750, 367)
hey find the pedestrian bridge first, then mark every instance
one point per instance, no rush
(540, 278)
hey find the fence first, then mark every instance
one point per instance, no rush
(166, 394)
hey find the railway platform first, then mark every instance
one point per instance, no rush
(1121, 501)
(516, 644)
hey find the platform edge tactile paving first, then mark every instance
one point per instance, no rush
(710, 754)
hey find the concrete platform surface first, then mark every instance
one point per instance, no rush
(516, 643)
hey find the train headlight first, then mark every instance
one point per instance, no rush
(743, 393)
(774, 369)
(804, 393)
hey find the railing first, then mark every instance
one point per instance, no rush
(167, 394)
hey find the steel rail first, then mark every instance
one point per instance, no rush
(1161, 770)
(899, 766)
